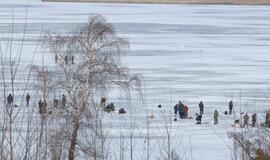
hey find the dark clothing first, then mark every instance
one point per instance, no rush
(216, 117)
(267, 122)
(254, 120)
(122, 111)
(230, 107)
(40, 106)
(109, 108)
(201, 106)
(64, 101)
(55, 102)
(10, 99)
(181, 110)
(27, 99)
(199, 119)
(176, 108)
(66, 60)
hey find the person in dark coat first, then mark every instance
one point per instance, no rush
(254, 119)
(267, 120)
(176, 109)
(44, 107)
(198, 118)
(72, 59)
(55, 102)
(66, 60)
(10, 99)
(230, 107)
(40, 106)
(181, 110)
(216, 117)
(201, 106)
(27, 99)
(64, 101)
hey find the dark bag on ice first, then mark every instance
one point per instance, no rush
(122, 111)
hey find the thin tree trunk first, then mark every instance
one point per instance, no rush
(73, 141)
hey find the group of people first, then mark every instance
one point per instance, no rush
(66, 59)
(181, 109)
(10, 99)
(110, 107)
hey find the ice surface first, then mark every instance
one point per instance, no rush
(184, 52)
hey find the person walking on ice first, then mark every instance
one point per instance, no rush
(27, 99)
(254, 119)
(201, 106)
(215, 117)
(10, 99)
(230, 107)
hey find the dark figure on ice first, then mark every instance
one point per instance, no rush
(185, 111)
(181, 110)
(198, 118)
(56, 58)
(246, 118)
(267, 120)
(230, 107)
(109, 108)
(254, 119)
(64, 101)
(103, 102)
(216, 117)
(39, 106)
(10, 99)
(72, 59)
(55, 102)
(42, 107)
(27, 99)
(66, 60)
(176, 109)
(201, 106)
(159, 106)
(122, 111)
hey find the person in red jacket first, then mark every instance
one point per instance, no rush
(185, 111)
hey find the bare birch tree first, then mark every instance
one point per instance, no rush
(88, 60)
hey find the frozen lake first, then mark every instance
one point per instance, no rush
(184, 52)
(188, 52)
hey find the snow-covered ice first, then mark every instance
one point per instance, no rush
(184, 52)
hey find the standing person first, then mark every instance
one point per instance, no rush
(103, 102)
(72, 59)
(254, 119)
(230, 107)
(176, 108)
(55, 102)
(10, 99)
(216, 117)
(181, 110)
(64, 101)
(185, 111)
(27, 99)
(44, 107)
(246, 118)
(267, 120)
(66, 60)
(201, 106)
(40, 106)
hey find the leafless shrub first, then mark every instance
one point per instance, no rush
(253, 145)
